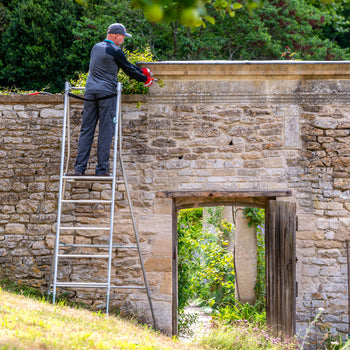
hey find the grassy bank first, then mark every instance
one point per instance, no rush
(26, 323)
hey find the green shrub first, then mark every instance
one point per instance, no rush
(231, 313)
(206, 268)
(189, 230)
(214, 282)
(131, 86)
(36, 38)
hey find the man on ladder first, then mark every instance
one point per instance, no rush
(101, 102)
(100, 97)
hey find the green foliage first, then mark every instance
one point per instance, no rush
(214, 216)
(231, 313)
(92, 28)
(191, 13)
(254, 216)
(45, 43)
(185, 321)
(189, 229)
(35, 43)
(205, 267)
(334, 342)
(131, 86)
(19, 288)
(214, 281)
(264, 33)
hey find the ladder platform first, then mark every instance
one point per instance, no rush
(84, 228)
(90, 178)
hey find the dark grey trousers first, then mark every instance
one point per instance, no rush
(102, 111)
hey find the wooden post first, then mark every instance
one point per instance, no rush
(280, 268)
(348, 260)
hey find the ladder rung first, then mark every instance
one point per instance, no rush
(82, 256)
(83, 228)
(96, 245)
(94, 285)
(127, 287)
(82, 284)
(86, 201)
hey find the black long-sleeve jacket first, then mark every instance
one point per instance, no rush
(105, 60)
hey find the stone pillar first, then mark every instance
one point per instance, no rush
(245, 259)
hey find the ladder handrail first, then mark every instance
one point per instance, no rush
(59, 209)
(115, 150)
(135, 227)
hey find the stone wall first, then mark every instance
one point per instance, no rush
(214, 126)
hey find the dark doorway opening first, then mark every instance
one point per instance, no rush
(280, 228)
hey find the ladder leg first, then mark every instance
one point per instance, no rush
(115, 157)
(59, 209)
(135, 229)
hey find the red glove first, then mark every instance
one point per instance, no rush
(149, 81)
(147, 72)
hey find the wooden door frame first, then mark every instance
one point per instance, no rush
(197, 199)
(280, 250)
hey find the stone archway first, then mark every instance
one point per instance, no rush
(280, 248)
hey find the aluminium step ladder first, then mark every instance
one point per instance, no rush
(54, 283)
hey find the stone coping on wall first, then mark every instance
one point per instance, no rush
(57, 99)
(231, 70)
(245, 76)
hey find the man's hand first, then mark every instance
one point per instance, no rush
(147, 72)
(149, 81)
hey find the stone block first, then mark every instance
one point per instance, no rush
(154, 223)
(15, 229)
(160, 264)
(51, 113)
(163, 206)
(329, 253)
(310, 271)
(166, 284)
(162, 244)
(310, 235)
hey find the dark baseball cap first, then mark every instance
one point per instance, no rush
(118, 28)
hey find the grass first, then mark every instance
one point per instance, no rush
(27, 323)
(244, 337)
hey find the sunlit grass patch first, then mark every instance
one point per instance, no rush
(26, 323)
(244, 336)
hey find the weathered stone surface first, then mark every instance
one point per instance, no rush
(235, 126)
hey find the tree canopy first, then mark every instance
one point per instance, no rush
(45, 42)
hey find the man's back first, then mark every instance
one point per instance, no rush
(103, 68)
